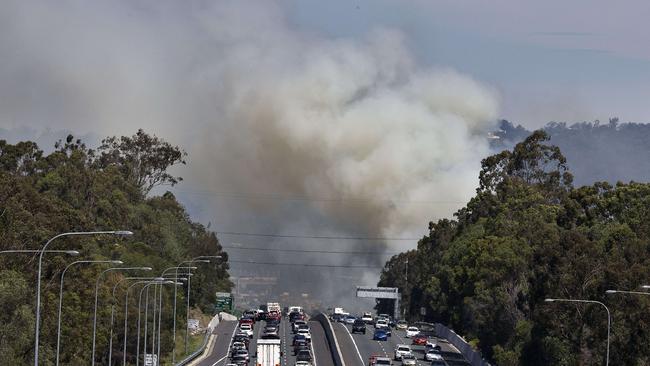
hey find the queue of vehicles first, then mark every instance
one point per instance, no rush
(268, 351)
(383, 325)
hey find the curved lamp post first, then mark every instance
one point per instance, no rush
(40, 268)
(204, 259)
(609, 317)
(97, 296)
(174, 307)
(69, 252)
(58, 327)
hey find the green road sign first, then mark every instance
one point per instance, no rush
(224, 301)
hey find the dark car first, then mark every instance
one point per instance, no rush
(239, 360)
(304, 355)
(296, 315)
(299, 346)
(380, 335)
(299, 337)
(359, 326)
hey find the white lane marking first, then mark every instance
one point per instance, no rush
(311, 345)
(353, 342)
(229, 345)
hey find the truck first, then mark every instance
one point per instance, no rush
(268, 352)
(273, 306)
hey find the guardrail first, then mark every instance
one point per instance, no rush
(198, 352)
(213, 324)
(332, 343)
(474, 357)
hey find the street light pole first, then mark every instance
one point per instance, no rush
(609, 317)
(202, 258)
(174, 308)
(126, 314)
(97, 296)
(58, 328)
(114, 301)
(70, 252)
(40, 269)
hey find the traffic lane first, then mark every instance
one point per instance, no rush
(348, 350)
(288, 358)
(320, 347)
(449, 353)
(219, 351)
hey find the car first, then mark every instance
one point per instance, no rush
(381, 324)
(231, 364)
(305, 332)
(242, 352)
(367, 318)
(299, 346)
(380, 335)
(293, 316)
(401, 350)
(359, 326)
(383, 361)
(270, 329)
(412, 332)
(302, 363)
(408, 360)
(241, 337)
(304, 355)
(336, 317)
(303, 326)
(239, 360)
(298, 337)
(247, 329)
(251, 314)
(420, 340)
(245, 320)
(350, 319)
(296, 325)
(401, 325)
(432, 355)
(432, 345)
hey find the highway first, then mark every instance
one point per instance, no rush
(357, 348)
(218, 354)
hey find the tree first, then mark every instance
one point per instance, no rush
(143, 159)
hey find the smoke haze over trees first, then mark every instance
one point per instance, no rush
(595, 151)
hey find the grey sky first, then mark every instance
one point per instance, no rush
(550, 60)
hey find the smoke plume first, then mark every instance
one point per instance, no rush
(295, 131)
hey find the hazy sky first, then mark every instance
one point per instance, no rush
(553, 60)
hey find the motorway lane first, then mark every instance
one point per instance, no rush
(357, 348)
(320, 347)
(221, 345)
(219, 354)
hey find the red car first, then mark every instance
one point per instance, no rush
(247, 321)
(420, 340)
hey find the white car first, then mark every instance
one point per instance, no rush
(433, 355)
(381, 324)
(401, 350)
(412, 332)
(408, 360)
(367, 318)
(246, 328)
(306, 333)
(302, 363)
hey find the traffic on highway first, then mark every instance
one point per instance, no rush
(272, 336)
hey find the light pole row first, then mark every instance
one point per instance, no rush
(609, 316)
(157, 281)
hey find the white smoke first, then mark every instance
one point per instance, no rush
(377, 143)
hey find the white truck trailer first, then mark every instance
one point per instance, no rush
(268, 352)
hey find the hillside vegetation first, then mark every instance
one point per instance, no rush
(75, 188)
(527, 235)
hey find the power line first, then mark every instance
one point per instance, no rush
(281, 197)
(309, 250)
(234, 233)
(305, 264)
